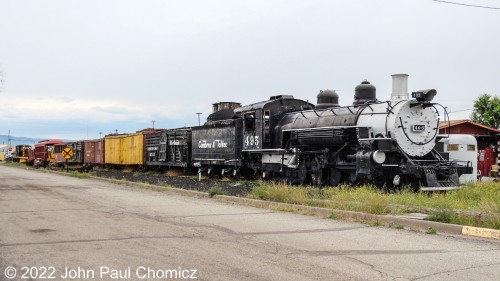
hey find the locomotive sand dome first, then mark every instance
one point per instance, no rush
(365, 92)
(413, 125)
(327, 99)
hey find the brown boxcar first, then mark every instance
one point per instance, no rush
(94, 152)
(78, 152)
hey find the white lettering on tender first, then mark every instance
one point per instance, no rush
(213, 144)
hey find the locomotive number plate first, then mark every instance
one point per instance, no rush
(418, 128)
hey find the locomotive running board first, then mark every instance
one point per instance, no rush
(321, 128)
(439, 188)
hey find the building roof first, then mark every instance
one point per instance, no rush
(453, 123)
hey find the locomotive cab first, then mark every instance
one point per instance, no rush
(260, 119)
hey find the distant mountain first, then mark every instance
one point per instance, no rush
(4, 139)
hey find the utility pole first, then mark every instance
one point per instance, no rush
(100, 134)
(199, 113)
(153, 124)
(9, 148)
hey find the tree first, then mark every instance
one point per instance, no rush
(487, 110)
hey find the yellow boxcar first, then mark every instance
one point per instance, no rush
(126, 149)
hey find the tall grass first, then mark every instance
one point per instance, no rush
(476, 205)
(76, 174)
(174, 173)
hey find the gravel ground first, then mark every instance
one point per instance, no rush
(228, 186)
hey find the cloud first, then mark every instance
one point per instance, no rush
(122, 64)
(52, 109)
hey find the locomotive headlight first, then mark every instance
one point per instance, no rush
(378, 156)
(424, 95)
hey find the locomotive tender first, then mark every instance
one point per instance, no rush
(385, 143)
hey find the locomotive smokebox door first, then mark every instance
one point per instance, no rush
(252, 130)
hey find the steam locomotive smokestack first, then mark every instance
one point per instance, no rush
(399, 87)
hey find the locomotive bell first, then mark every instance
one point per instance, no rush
(364, 92)
(327, 99)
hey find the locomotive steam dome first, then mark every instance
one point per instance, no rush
(364, 92)
(327, 99)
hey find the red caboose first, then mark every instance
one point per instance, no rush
(43, 154)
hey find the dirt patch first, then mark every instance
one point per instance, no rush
(233, 187)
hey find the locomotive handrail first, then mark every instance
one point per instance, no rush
(371, 139)
(437, 152)
(267, 149)
(329, 127)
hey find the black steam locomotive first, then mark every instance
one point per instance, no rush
(385, 143)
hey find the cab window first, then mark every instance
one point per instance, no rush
(267, 121)
(250, 121)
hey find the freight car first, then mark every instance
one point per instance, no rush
(93, 152)
(126, 149)
(213, 147)
(168, 148)
(76, 147)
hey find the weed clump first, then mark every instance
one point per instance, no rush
(215, 191)
(79, 175)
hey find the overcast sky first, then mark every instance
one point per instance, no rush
(76, 68)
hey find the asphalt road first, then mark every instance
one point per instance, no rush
(101, 231)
